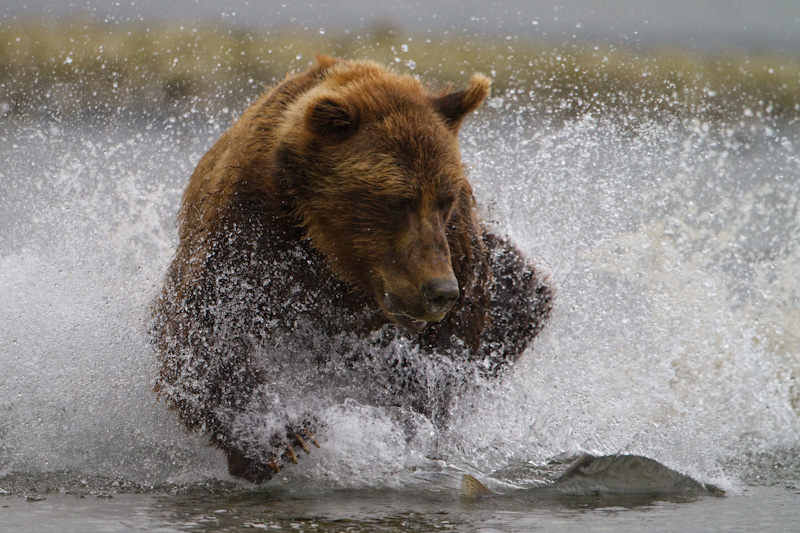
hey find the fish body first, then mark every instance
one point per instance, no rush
(626, 474)
(618, 475)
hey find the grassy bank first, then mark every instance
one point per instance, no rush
(77, 67)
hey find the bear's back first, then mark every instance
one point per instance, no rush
(243, 150)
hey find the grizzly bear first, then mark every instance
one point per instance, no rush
(330, 249)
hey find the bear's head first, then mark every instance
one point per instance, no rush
(370, 161)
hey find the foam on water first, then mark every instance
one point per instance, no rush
(676, 332)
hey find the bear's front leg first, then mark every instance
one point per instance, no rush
(257, 463)
(521, 303)
(253, 470)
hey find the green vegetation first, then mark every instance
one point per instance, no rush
(77, 67)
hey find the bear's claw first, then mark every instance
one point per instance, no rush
(290, 453)
(302, 442)
(283, 450)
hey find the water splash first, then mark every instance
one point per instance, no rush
(665, 240)
(675, 333)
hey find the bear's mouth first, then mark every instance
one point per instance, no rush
(402, 319)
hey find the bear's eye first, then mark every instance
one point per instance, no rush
(445, 205)
(400, 206)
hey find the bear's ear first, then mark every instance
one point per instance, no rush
(329, 118)
(325, 62)
(455, 106)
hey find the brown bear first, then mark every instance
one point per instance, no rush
(330, 249)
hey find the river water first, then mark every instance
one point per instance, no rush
(676, 335)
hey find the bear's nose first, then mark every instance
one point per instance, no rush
(440, 294)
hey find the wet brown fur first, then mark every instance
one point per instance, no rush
(359, 168)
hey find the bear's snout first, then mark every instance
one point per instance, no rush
(415, 309)
(440, 295)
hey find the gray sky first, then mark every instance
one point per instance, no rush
(743, 24)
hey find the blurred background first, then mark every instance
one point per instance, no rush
(93, 57)
(718, 24)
